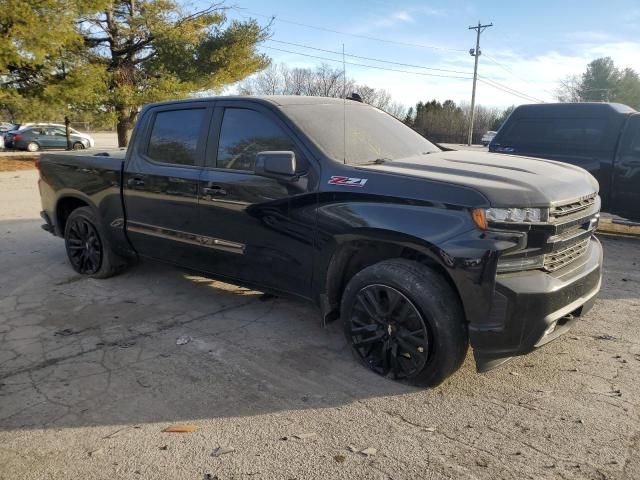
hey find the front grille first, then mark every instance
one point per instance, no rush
(563, 257)
(565, 210)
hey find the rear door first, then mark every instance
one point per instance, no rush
(261, 229)
(41, 136)
(626, 174)
(161, 182)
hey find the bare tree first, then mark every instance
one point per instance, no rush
(323, 81)
(569, 89)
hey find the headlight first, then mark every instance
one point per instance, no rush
(516, 215)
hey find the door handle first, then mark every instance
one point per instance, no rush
(214, 191)
(136, 182)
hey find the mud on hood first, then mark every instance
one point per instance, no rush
(506, 180)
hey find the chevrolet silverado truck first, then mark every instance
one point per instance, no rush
(418, 252)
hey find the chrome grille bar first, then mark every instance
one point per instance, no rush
(561, 258)
(563, 210)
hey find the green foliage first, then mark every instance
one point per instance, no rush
(154, 50)
(602, 82)
(94, 59)
(497, 123)
(33, 31)
(447, 122)
(599, 80)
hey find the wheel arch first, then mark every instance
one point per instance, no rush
(367, 248)
(66, 204)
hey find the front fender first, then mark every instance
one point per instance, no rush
(447, 236)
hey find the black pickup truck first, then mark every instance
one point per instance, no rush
(417, 251)
(602, 138)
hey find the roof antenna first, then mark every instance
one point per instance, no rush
(344, 108)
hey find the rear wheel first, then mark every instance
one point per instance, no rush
(33, 147)
(404, 321)
(88, 249)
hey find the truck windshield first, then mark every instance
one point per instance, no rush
(370, 134)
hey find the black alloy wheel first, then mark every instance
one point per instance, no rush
(388, 332)
(83, 246)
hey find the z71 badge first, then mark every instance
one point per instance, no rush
(347, 181)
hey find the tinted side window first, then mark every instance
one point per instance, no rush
(245, 133)
(578, 131)
(174, 136)
(630, 144)
(561, 131)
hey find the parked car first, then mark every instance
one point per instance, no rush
(34, 138)
(602, 138)
(84, 139)
(487, 137)
(418, 251)
(5, 127)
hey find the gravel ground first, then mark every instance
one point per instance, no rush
(91, 375)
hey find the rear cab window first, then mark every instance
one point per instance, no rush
(575, 132)
(175, 135)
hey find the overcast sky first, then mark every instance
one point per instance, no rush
(530, 47)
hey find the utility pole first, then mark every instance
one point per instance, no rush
(475, 52)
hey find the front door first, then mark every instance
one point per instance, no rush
(626, 172)
(57, 137)
(262, 228)
(161, 183)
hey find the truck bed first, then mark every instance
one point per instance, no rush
(71, 178)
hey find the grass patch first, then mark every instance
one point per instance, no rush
(8, 164)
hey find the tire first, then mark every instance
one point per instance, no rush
(78, 146)
(87, 247)
(33, 147)
(404, 321)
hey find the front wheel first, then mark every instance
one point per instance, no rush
(88, 249)
(404, 321)
(78, 146)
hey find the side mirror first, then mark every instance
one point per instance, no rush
(278, 165)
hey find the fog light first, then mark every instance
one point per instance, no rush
(507, 264)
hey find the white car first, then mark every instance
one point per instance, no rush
(487, 137)
(89, 138)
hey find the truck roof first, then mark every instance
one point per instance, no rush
(582, 109)
(279, 100)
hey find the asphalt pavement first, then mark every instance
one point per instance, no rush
(93, 371)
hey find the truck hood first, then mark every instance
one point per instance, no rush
(505, 180)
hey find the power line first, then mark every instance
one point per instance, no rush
(369, 58)
(367, 66)
(509, 70)
(485, 80)
(499, 85)
(366, 37)
(511, 92)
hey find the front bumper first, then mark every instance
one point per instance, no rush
(532, 308)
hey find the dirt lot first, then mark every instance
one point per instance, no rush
(90, 376)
